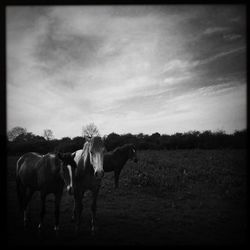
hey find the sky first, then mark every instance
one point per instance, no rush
(127, 69)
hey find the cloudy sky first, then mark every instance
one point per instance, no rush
(128, 69)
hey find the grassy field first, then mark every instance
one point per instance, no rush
(182, 197)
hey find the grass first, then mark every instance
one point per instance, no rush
(220, 172)
(168, 198)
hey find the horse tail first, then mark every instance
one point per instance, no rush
(19, 185)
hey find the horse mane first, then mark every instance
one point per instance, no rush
(85, 150)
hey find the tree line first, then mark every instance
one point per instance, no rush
(27, 141)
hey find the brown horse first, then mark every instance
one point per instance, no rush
(88, 176)
(47, 174)
(116, 159)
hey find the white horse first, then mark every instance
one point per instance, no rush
(88, 176)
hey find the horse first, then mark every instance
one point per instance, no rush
(46, 174)
(116, 159)
(88, 176)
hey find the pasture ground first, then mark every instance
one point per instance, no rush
(180, 197)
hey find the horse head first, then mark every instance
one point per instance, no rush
(68, 170)
(132, 155)
(96, 151)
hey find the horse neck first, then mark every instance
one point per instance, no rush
(85, 153)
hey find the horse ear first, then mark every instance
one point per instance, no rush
(132, 148)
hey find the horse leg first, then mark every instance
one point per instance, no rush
(117, 174)
(78, 210)
(93, 210)
(20, 193)
(58, 198)
(74, 211)
(27, 195)
(43, 209)
(21, 196)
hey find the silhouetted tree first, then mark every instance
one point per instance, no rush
(78, 142)
(48, 134)
(27, 141)
(240, 139)
(128, 138)
(28, 137)
(112, 141)
(15, 132)
(65, 139)
(90, 130)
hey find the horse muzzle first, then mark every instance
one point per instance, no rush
(70, 190)
(99, 174)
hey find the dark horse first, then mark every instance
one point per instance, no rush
(47, 174)
(116, 159)
(88, 176)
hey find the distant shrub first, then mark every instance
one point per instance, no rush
(190, 140)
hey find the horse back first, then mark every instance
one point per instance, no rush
(26, 168)
(37, 171)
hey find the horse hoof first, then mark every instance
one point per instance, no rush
(40, 227)
(77, 229)
(94, 231)
(25, 223)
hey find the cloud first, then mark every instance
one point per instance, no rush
(142, 69)
(57, 53)
(213, 30)
(200, 109)
(232, 37)
(219, 55)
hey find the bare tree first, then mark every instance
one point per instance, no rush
(48, 134)
(15, 132)
(90, 130)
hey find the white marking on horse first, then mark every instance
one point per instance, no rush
(70, 175)
(25, 215)
(97, 162)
